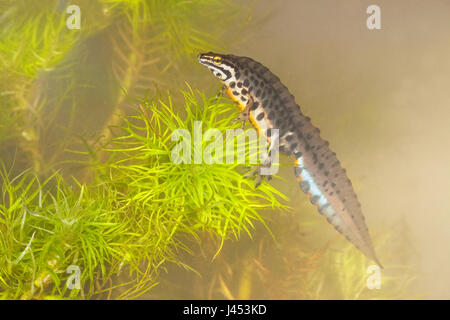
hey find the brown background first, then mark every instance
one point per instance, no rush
(382, 99)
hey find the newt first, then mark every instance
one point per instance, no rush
(269, 105)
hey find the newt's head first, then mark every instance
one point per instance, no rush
(221, 65)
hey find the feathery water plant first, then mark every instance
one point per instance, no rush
(45, 227)
(48, 228)
(141, 40)
(136, 218)
(144, 206)
(153, 41)
(35, 41)
(183, 197)
(178, 29)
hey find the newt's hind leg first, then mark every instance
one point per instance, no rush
(256, 171)
(265, 169)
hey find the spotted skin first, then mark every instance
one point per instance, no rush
(270, 105)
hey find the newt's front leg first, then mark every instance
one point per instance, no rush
(221, 92)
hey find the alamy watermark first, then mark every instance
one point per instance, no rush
(374, 279)
(74, 280)
(73, 22)
(374, 20)
(190, 149)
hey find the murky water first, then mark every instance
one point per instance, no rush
(380, 97)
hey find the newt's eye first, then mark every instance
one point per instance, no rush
(217, 60)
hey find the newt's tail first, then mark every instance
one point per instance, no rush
(331, 192)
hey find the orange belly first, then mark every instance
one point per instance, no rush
(251, 118)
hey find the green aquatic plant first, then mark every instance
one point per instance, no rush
(45, 227)
(153, 41)
(135, 219)
(50, 80)
(130, 46)
(175, 29)
(142, 212)
(8, 117)
(35, 41)
(169, 200)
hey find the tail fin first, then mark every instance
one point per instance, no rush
(342, 211)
